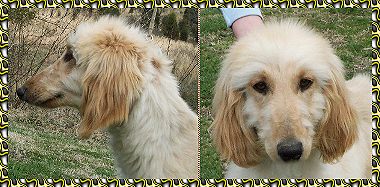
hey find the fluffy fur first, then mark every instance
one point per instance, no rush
(331, 117)
(121, 81)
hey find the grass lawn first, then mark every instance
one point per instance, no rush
(44, 144)
(348, 30)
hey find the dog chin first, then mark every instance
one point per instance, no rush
(49, 102)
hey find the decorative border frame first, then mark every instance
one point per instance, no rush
(5, 5)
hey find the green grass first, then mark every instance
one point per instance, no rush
(348, 30)
(215, 39)
(44, 144)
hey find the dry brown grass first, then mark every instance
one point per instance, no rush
(184, 56)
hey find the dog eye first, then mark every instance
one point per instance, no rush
(68, 56)
(261, 87)
(305, 84)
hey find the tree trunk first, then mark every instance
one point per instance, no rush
(152, 20)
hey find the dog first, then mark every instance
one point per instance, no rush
(282, 108)
(121, 81)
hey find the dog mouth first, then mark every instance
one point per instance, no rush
(50, 100)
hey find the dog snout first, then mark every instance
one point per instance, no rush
(290, 149)
(21, 92)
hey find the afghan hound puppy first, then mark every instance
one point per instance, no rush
(121, 81)
(283, 109)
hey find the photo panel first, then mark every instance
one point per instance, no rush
(267, 108)
(103, 93)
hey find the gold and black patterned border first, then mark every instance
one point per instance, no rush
(5, 5)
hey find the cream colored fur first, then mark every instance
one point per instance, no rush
(120, 80)
(331, 118)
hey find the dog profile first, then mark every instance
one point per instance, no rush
(119, 80)
(284, 110)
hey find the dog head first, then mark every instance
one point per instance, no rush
(99, 73)
(281, 93)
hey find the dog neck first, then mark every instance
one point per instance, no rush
(160, 136)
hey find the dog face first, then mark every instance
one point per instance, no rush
(284, 103)
(57, 85)
(281, 93)
(99, 73)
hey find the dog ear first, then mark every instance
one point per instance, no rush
(110, 86)
(232, 138)
(338, 130)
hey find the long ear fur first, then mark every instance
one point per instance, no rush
(338, 129)
(110, 86)
(233, 140)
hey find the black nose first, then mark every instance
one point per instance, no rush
(290, 149)
(21, 92)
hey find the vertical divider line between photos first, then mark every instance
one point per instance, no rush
(199, 90)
